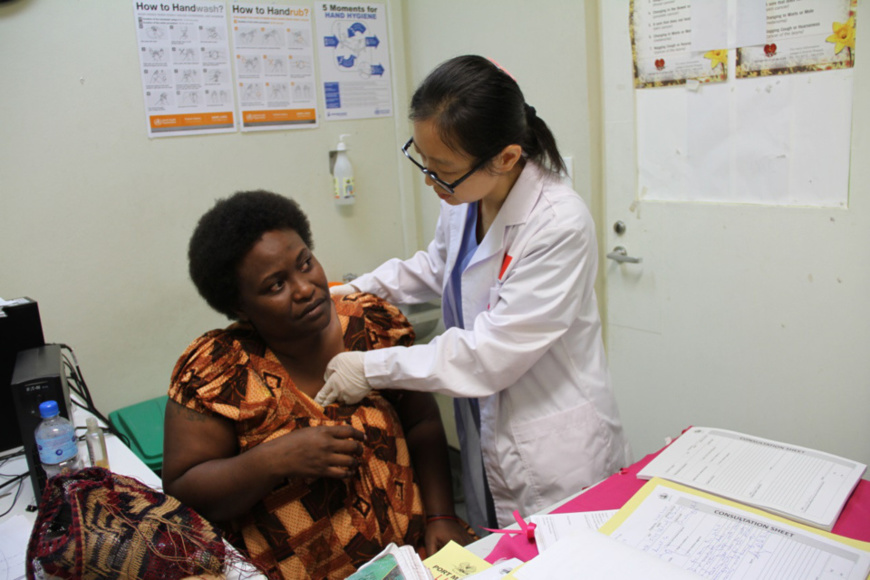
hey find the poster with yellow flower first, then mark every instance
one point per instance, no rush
(802, 36)
(661, 45)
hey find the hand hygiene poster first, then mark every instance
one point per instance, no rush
(274, 60)
(185, 67)
(354, 60)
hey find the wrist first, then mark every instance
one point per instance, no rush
(438, 517)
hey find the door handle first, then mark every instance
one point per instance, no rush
(620, 255)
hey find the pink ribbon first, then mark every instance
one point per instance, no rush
(527, 529)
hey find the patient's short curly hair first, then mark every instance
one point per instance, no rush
(227, 232)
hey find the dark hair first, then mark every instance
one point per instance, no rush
(480, 109)
(227, 232)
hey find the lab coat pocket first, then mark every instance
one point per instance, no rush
(563, 452)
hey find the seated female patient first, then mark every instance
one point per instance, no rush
(315, 491)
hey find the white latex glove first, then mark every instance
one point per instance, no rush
(343, 289)
(345, 379)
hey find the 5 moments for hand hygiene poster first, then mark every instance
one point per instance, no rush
(354, 60)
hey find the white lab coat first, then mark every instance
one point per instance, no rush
(532, 348)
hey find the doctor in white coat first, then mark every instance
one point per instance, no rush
(514, 260)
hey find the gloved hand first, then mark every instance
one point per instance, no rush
(343, 289)
(345, 379)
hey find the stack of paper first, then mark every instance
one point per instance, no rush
(550, 528)
(802, 484)
(452, 562)
(393, 562)
(590, 555)
(717, 538)
(669, 531)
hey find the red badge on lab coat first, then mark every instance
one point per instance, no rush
(504, 265)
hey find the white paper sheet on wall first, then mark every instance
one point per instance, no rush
(777, 140)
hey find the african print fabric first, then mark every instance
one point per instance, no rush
(95, 525)
(311, 528)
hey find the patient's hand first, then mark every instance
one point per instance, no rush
(324, 451)
(440, 532)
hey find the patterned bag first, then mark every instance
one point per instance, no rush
(95, 524)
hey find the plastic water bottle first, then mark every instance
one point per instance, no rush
(56, 441)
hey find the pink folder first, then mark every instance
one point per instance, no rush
(617, 489)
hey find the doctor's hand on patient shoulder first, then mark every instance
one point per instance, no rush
(345, 380)
(342, 289)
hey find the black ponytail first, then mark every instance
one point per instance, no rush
(540, 143)
(479, 109)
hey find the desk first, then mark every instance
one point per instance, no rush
(613, 492)
(484, 546)
(121, 460)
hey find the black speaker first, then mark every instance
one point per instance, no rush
(20, 328)
(39, 376)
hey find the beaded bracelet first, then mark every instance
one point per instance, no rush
(435, 517)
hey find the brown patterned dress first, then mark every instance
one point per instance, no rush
(311, 528)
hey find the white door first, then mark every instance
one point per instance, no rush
(746, 317)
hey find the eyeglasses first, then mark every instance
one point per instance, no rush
(448, 187)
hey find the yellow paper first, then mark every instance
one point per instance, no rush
(629, 507)
(698, 531)
(453, 562)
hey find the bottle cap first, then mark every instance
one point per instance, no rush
(48, 409)
(92, 424)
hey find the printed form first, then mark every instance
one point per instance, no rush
(801, 484)
(717, 538)
(551, 528)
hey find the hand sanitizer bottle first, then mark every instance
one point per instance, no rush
(96, 444)
(342, 175)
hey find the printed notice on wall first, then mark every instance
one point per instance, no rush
(354, 60)
(274, 59)
(185, 67)
(661, 39)
(758, 135)
(802, 36)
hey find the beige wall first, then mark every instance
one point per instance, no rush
(742, 316)
(95, 217)
(546, 46)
